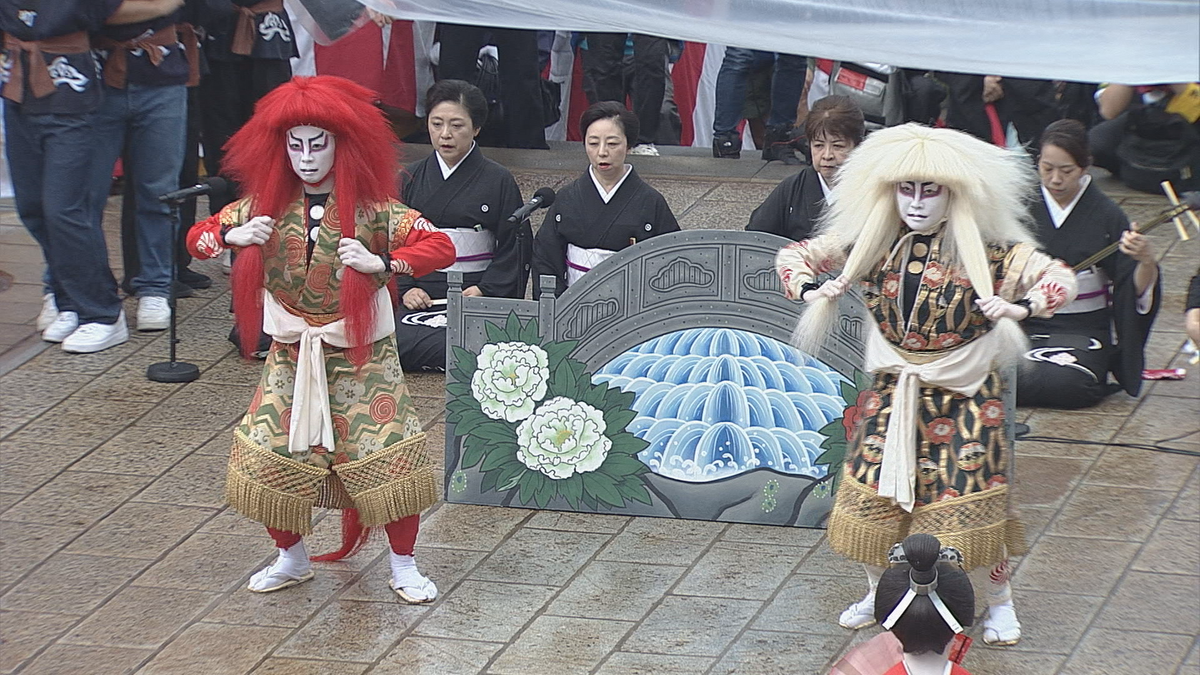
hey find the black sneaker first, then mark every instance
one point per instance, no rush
(728, 145)
(195, 279)
(777, 146)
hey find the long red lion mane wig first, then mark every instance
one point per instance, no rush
(366, 163)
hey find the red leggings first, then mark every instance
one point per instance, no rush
(402, 535)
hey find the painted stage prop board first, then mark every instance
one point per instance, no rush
(660, 384)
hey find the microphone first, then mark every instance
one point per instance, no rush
(210, 185)
(542, 198)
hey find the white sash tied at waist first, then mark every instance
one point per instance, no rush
(473, 249)
(961, 371)
(312, 421)
(582, 260)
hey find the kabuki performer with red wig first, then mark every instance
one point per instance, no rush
(318, 235)
(930, 223)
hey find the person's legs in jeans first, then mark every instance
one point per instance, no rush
(731, 87)
(602, 63)
(787, 82)
(157, 131)
(649, 83)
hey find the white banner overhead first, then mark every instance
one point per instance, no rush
(1129, 41)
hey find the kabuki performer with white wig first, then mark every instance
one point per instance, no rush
(929, 223)
(319, 235)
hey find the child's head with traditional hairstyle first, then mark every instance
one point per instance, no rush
(933, 578)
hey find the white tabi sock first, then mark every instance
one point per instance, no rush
(408, 581)
(291, 567)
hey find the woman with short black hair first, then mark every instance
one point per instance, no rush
(607, 209)
(469, 197)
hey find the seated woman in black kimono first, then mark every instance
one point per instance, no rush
(469, 197)
(606, 209)
(1073, 352)
(833, 128)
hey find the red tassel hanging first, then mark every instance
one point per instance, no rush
(354, 537)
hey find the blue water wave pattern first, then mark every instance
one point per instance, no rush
(716, 402)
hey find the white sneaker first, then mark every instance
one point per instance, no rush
(49, 312)
(154, 313)
(859, 615)
(646, 149)
(61, 327)
(95, 337)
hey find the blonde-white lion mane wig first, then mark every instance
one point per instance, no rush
(989, 187)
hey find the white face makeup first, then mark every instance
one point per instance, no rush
(311, 150)
(922, 205)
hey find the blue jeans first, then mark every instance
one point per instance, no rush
(152, 123)
(787, 81)
(48, 175)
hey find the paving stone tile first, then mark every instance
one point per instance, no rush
(983, 660)
(566, 645)
(140, 530)
(674, 626)
(71, 584)
(1159, 417)
(352, 631)
(62, 659)
(1174, 548)
(7, 499)
(681, 195)
(22, 471)
(29, 385)
(740, 570)
(23, 546)
(1111, 512)
(228, 521)
(1050, 622)
(577, 522)
(233, 369)
(480, 610)
(1055, 564)
(221, 648)
(1187, 504)
(79, 421)
(823, 561)
(1126, 467)
(426, 384)
(478, 528)
(142, 449)
(139, 617)
(1192, 663)
(275, 666)
(77, 498)
(1126, 651)
(770, 653)
(1046, 481)
(756, 191)
(327, 536)
(1085, 426)
(435, 445)
(24, 633)
(615, 590)
(433, 656)
(218, 445)
(127, 381)
(541, 557)
(811, 604)
(1161, 603)
(202, 406)
(1035, 519)
(198, 480)
(193, 564)
(58, 362)
(717, 215)
(445, 566)
(626, 663)
(430, 410)
(288, 608)
(661, 540)
(771, 534)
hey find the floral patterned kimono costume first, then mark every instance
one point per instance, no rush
(924, 309)
(377, 462)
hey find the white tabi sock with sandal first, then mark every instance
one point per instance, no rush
(409, 584)
(290, 568)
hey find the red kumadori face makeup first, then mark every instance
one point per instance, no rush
(922, 205)
(311, 150)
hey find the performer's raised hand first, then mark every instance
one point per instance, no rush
(996, 308)
(356, 256)
(832, 289)
(416, 298)
(255, 231)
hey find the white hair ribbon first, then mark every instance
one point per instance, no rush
(915, 589)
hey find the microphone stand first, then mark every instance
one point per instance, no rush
(172, 370)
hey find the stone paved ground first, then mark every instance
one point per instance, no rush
(116, 554)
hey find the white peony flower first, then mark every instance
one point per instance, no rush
(510, 379)
(348, 391)
(281, 380)
(563, 437)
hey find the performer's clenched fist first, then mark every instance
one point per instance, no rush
(997, 307)
(255, 231)
(832, 289)
(356, 256)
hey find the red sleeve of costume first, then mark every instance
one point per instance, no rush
(424, 249)
(204, 239)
